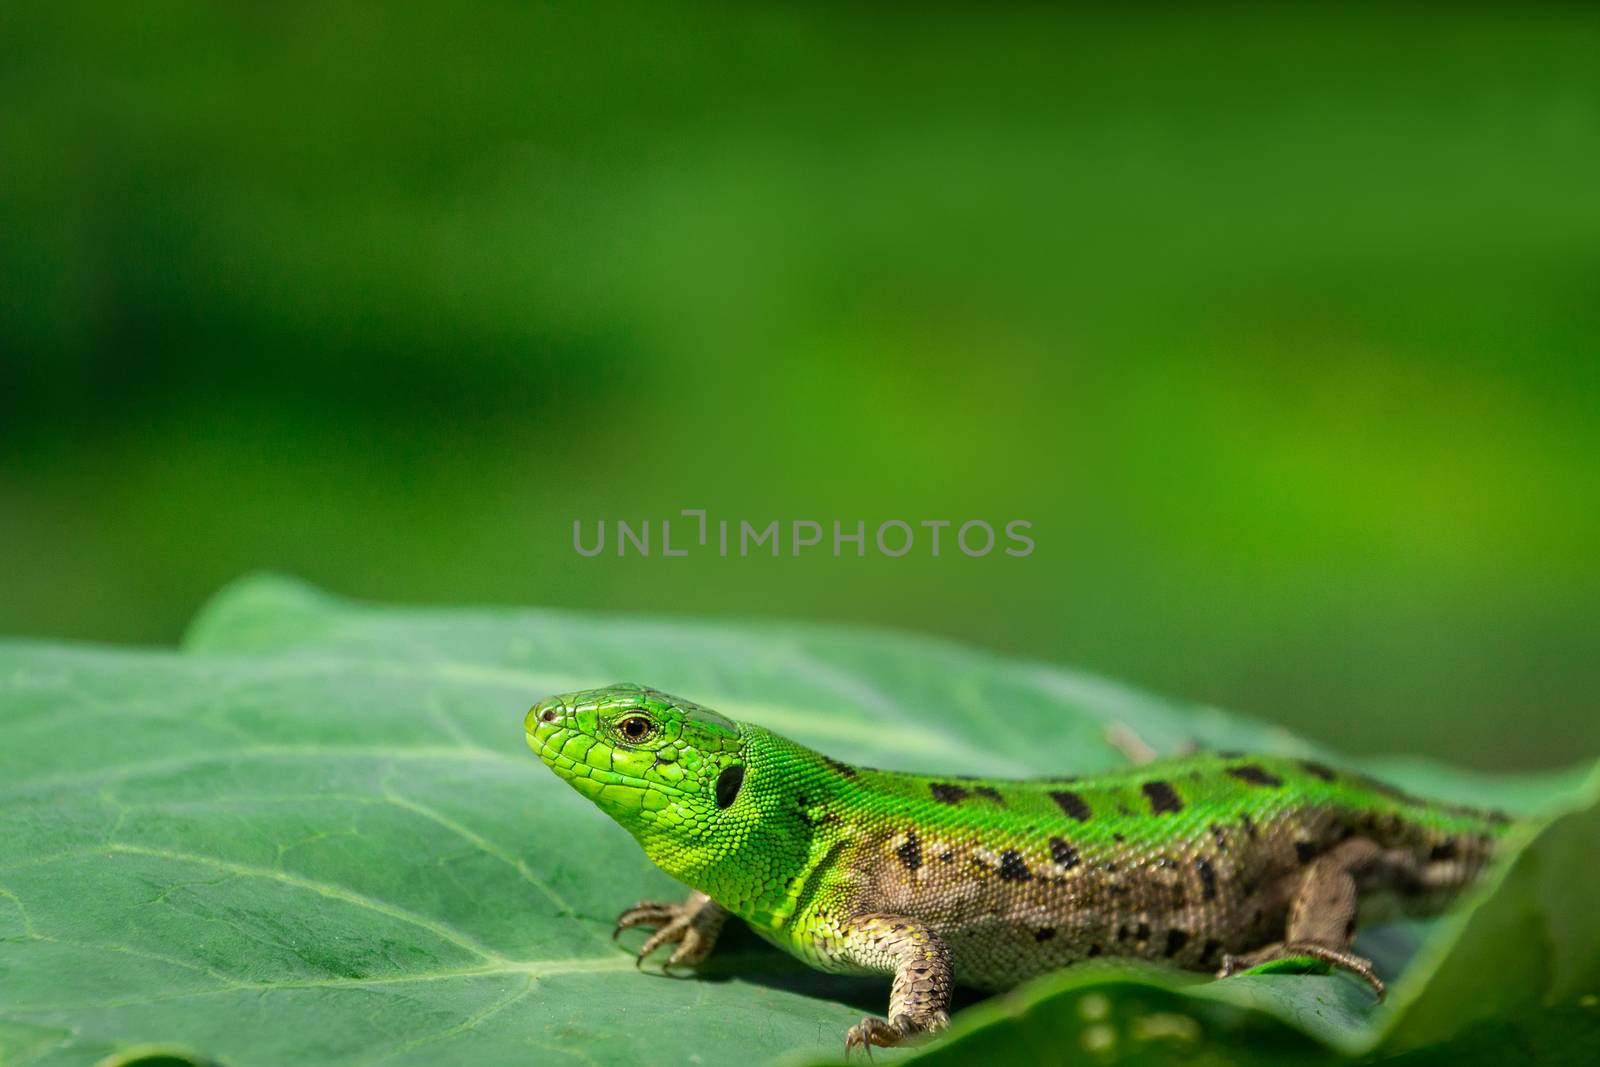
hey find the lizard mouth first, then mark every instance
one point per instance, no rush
(549, 732)
(547, 741)
(565, 749)
(588, 763)
(551, 743)
(547, 726)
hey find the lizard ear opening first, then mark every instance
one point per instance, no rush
(728, 783)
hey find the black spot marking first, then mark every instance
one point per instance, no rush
(946, 857)
(1141, 932)
(1044, 935)
(1305, 851)
(1255, 775)
(1119, 839)
(1176, 939)
(800, 799)
(1063, 853)
(1444, 850)
(1318, 770)
(1094, 950)
(728, 783)
(1072, 804)
(1208, 878)
(1219, 837)
(843, 768)
(1109, 867)
(1122, 933)
(910, 853)
(945, 793)
(1249, 826)
(1162, 797)
(1012, 868)
(990, 793)
(1208, 954)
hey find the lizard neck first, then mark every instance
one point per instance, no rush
(755, 856)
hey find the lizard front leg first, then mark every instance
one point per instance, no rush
(693, 925)
(919, 1001)
(1322, 916)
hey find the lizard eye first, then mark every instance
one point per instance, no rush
(636, 728)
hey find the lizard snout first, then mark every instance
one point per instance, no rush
(546, 713)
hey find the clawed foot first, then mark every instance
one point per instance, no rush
(873, 1031)
(1348, 961)
(692, 925)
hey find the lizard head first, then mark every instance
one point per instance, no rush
(664, 768)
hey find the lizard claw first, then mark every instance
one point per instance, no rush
(885, 1034)
(675, 930)
(645, 913)
(869, 1032)
(693, 926)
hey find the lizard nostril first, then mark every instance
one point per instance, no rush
(549, 715)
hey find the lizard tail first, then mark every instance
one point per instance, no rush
(1433, 850)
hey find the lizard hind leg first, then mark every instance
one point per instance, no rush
(919, 1001)
(692, 925)
(1322, 915)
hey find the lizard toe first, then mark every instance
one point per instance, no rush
(692, 925)
(672, 931)
(873, 1031)
(645, 913)
(690, 951)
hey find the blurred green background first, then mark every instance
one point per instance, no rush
(1279, 322)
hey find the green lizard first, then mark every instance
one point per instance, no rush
(1217, 862)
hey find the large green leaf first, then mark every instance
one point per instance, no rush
(316, 836)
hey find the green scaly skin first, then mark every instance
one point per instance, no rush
(1215, 862)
